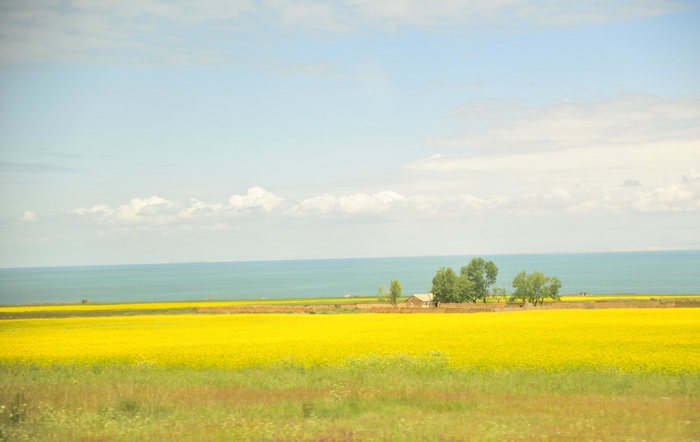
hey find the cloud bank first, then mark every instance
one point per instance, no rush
(259, 204)
(621, 120)
(156, 211)
(179, 32)
(596, 144)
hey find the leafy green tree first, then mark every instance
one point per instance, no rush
(391, 294)
(535, 287)
(482, 274)
(445, 286)
(521, 284)
(548, 290)
(465, 289)
(394, 292)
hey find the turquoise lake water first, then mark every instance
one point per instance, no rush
(663, 272)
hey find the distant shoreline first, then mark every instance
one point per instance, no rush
(694, 248)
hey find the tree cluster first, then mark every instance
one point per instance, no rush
(535, 287)
(471, 285)
(474, 279)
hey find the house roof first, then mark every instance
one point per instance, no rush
(425, 297)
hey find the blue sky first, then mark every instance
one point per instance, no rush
(139, 132)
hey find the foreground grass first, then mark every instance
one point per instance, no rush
(398, 399)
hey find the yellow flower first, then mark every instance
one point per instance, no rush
(666, 340)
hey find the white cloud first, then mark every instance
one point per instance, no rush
(157, 213)
(153, 211)
(388, 203)
(671, 198)
(495, 125)
(316, 205)
(184, 32)
(596, 159)
(558, 197)
(257, 197)
(29, 217)
(588, 144)
(199, 208)
(470, 203)
(150, 212)
(348, 204)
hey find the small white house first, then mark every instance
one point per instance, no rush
(420, 301)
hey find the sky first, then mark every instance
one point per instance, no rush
(168, 131)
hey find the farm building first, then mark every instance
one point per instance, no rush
(421, 301)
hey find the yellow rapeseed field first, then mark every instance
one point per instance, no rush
(622, 297)
(664, 340)
(159, 305)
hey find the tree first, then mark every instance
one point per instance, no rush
(549, 290)
(521, 284)
(535, 287)
(394, 292)
(445, 285)
(482, 274)
(500, 293)
(465, 289)
(391, 294)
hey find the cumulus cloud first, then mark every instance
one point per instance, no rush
(29, 217)
(558, 197)
(348, 204)
(156, 211)
(388, 203)
(361, 202)
(159, 213)
(663, 199)
(153, 211)
(257, 197)
(671, 198)
(631, 183)
(185, 32)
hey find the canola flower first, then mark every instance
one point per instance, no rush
(659, 340)
(164, 305)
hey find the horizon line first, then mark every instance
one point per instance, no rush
(615, 250)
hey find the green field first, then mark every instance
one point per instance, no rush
(394, 401)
